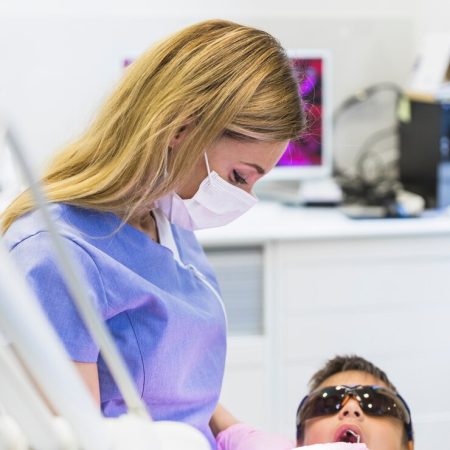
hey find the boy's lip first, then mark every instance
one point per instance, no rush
(348, 427)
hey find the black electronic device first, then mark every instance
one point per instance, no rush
(443, 172)
(420, 148)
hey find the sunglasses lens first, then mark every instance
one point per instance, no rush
(323, 403)
(381, 402)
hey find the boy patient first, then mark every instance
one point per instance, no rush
(351, 400)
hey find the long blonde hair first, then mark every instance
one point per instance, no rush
(218, 76)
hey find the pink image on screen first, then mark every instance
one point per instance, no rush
(307, 149)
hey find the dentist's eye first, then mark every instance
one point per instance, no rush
(237, 178)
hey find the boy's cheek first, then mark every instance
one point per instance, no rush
(318, 431)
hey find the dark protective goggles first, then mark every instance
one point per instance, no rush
(373, 400)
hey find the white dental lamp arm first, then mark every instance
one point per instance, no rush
(46, 359)
(25, 324)
(40, 349)
(76, 286)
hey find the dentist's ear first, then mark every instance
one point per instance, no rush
(179, 136)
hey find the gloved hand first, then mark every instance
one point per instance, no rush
(245, 437)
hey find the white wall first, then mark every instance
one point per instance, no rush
(58, 59)
(432, 15)
(208, 8)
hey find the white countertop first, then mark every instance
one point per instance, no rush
(272, 221)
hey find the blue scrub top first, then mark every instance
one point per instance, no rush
(158, 303)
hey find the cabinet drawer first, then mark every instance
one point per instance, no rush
(240, 275)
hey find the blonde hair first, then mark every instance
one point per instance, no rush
(220, 77)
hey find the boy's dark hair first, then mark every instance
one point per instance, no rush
(345, 363)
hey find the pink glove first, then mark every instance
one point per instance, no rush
(244, 437)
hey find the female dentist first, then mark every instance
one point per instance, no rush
(178, 146)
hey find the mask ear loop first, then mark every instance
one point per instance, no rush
(207, 168)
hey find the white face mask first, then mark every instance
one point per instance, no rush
(216, 203)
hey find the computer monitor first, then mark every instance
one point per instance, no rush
(310, 155)
(303, 173)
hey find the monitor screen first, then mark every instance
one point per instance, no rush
(309, 155)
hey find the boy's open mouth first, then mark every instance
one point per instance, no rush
(348, 435)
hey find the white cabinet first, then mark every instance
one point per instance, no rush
(380, 289)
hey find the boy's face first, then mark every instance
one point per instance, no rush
(378, 433)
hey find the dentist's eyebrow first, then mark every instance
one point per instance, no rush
(259, 169)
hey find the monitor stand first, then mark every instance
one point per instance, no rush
(307, 192)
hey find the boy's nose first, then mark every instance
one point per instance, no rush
(351, 410)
